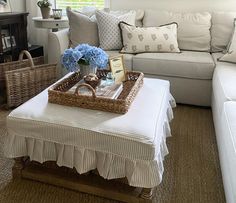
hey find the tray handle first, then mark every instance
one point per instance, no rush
(28, 55)
(88, 87)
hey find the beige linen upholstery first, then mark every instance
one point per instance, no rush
(226, 139)
(193, 30)
(83, 29)
(188, 91)
(58, 42)
(188, 64)
(128, 58)
(224, 115)
(230, 56)
(221, 30)
(224, 83)
(138, 18)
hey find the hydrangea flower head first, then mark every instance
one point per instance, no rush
(84, 54)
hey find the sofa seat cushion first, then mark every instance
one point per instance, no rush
(228, 146)
(187, 64)
(224, 82)
(128, 58)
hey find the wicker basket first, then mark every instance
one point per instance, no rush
(13, 66)
(24, 83)
(58, 93)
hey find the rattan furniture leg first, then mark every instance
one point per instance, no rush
(18, 167)
(147, 193)
(91, 182)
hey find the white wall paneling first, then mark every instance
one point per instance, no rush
(18, 5)
(176, 5)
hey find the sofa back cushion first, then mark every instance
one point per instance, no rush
(193, 28)
(138, 18)
(222, 30)
(230, 56)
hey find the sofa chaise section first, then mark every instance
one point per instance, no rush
(224, 115)
(226, 138)
(224, 83)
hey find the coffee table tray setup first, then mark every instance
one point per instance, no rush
(114, 146)
(59, 94)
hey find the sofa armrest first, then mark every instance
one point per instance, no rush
(57, 43)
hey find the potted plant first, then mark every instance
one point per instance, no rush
(44, 5)
(84, 58)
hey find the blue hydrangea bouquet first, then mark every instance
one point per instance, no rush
(84, 55)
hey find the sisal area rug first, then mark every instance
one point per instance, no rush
(192, 172)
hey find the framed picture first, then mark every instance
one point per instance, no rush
(5, 32)
(117, 68)
(3, 42)
(10, 41)
(5, 6)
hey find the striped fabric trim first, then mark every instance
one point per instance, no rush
(141, 163)
(90, 139)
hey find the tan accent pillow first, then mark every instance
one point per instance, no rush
(150, 39)
(83, 29)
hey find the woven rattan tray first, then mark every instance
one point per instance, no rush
(58, 93)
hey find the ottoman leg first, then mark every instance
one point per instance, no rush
(147, 193)
(18, 167)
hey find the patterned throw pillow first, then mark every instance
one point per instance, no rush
(230, 56)
(108, 28)
(149, 39)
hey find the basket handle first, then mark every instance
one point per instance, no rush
(28, 55)
(89, 87)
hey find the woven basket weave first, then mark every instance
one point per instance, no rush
(58, 93)
(14, 65)
(24, 83)
(17, 65)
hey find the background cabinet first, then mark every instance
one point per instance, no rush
(13, 29)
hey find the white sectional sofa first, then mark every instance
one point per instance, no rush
(224, 115)
(195, 74)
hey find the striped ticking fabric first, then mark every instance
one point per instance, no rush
(140, 160)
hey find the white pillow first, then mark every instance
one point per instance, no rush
(230, 56)
(149, 39)
(108, 28)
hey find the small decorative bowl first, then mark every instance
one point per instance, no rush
(92, 80)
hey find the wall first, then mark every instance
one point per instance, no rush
(176, 5)
(18, 5)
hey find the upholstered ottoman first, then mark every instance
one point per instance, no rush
(130, 146)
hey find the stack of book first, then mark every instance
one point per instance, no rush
(107, 91)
